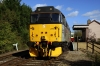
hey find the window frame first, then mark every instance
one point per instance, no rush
(31, 18)
(59, 19)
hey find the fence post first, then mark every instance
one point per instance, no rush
(92, 47)
(77, 43)
(86, 45)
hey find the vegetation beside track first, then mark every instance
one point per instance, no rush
(95, 56)
(14, 21)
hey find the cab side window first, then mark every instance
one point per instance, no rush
(34, 18)
(61, 18)
(64, 22)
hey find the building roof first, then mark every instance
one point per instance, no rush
(84, 26)
(76, 27)
(94, 21)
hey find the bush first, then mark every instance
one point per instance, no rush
(98, 41)
(14, 24)
(7, 37)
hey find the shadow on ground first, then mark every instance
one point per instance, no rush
(22, 54)
(80, 63)
(25, 54)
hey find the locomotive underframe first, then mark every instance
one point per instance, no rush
(43, 48)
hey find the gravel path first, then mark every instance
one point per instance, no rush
(75, 58)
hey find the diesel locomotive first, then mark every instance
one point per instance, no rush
(49, 32)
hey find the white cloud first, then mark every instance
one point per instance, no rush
(59, 7)
(69, 9)
(75, 22)
(95, 14)
(38, 5)
(95, 19)
(91, 13)
(72, 14)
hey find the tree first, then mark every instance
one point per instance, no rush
(78, 33)
(6, 36)
(14, 23)
(25, 19)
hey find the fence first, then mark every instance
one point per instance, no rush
(93, 47)
(92, 43)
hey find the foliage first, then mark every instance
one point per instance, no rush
(98, 41)
(95, 58)
(14, 22)
(6, 36)
(77, 33)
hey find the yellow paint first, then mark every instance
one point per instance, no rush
(56, 52)
(33, 52)
(46, 30)
(49, 28)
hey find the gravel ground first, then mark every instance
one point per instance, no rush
(75, 58)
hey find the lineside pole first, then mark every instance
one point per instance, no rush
(87, 44)
(92, 47)
(77, 43)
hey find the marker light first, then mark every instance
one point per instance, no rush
(50, 8)
(39, 9)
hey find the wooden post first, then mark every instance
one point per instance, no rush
(77, 43)
(92, 47)
(87, 44)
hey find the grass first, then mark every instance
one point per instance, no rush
(95, 56)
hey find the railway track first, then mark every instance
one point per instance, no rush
(6, 58)
(68, 58)
(42, 62)
(14, 58)
(23, 59)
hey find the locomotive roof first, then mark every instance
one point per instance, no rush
(47, 9)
